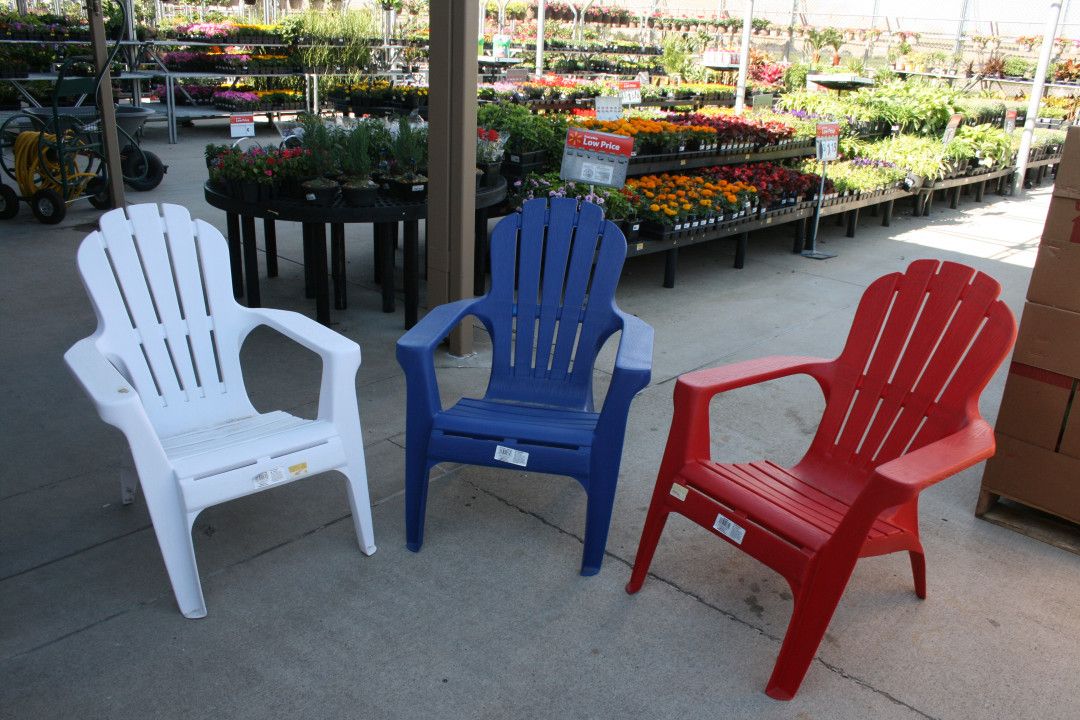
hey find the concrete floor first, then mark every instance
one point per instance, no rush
(491, 619)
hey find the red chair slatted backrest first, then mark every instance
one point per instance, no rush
(923, 345)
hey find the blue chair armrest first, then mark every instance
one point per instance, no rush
(633, 368)
(633, 360)
(415, 352)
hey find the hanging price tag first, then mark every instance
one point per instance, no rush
(242, 125)
(596, 158)
(827, 141)
(608, 108)
(950, 129)
(1010, 120)
(630, 92)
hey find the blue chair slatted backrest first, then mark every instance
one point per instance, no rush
(551, 307)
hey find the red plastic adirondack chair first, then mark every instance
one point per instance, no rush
(902, 413)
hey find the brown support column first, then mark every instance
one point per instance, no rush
(105, 99)
(452, 158)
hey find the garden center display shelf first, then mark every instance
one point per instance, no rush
(651, 164)
(741, 228)
(172, 112)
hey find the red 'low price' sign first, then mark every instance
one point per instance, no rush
(242, 125)
(596, 158)
(828, 141)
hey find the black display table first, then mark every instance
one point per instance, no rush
(384, 215)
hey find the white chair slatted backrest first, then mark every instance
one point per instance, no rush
(161, 289)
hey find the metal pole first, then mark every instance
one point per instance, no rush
(813, 251)
(744, 58)
(960, 27)
(541, 11)
(790, 30)
(1049, 33)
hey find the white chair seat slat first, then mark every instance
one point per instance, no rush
(208, 450)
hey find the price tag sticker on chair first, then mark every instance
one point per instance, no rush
(512, 456)
(280, 474)
(679, 491)
(729, 529)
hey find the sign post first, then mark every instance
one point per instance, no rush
(596, 158)
(827, 147)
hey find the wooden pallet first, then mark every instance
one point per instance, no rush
(1036, 524)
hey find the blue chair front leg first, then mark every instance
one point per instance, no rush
(417, 474)
(598, 516)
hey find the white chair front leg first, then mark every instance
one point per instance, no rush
(355, 472)
(172, 525)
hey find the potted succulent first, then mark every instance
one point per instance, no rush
(357, 188)
(489, 154)
(408, 152)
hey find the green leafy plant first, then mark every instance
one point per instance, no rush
(409, 151)
(356, 160)
(1018, 67)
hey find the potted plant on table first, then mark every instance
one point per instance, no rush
(358, 190)
(408, 151)
(489, 154)
(319, 140)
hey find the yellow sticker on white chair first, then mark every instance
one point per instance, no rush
(298, 469)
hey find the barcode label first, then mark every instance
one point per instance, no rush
(512, 456)
(729, 529)
(679, 491)
(269, 477)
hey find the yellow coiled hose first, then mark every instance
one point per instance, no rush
(35, 169)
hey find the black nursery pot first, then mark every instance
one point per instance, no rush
(359, 196)
(321, 196)
(410, 191)
(630, 229)
(491, 173)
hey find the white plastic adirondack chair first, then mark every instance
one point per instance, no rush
(164, 368)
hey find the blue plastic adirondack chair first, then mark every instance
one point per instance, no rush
(547, 323)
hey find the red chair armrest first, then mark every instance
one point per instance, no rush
(689, 436)
(912, 473)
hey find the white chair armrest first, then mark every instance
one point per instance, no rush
(340, 356)
(305, 331)
(116, 400)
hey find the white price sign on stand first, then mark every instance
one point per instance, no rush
(242, 125)
(608, 108)
(1010, 120)
(828, 141)
(630, 92)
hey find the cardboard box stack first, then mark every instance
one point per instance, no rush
(1038, 428)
